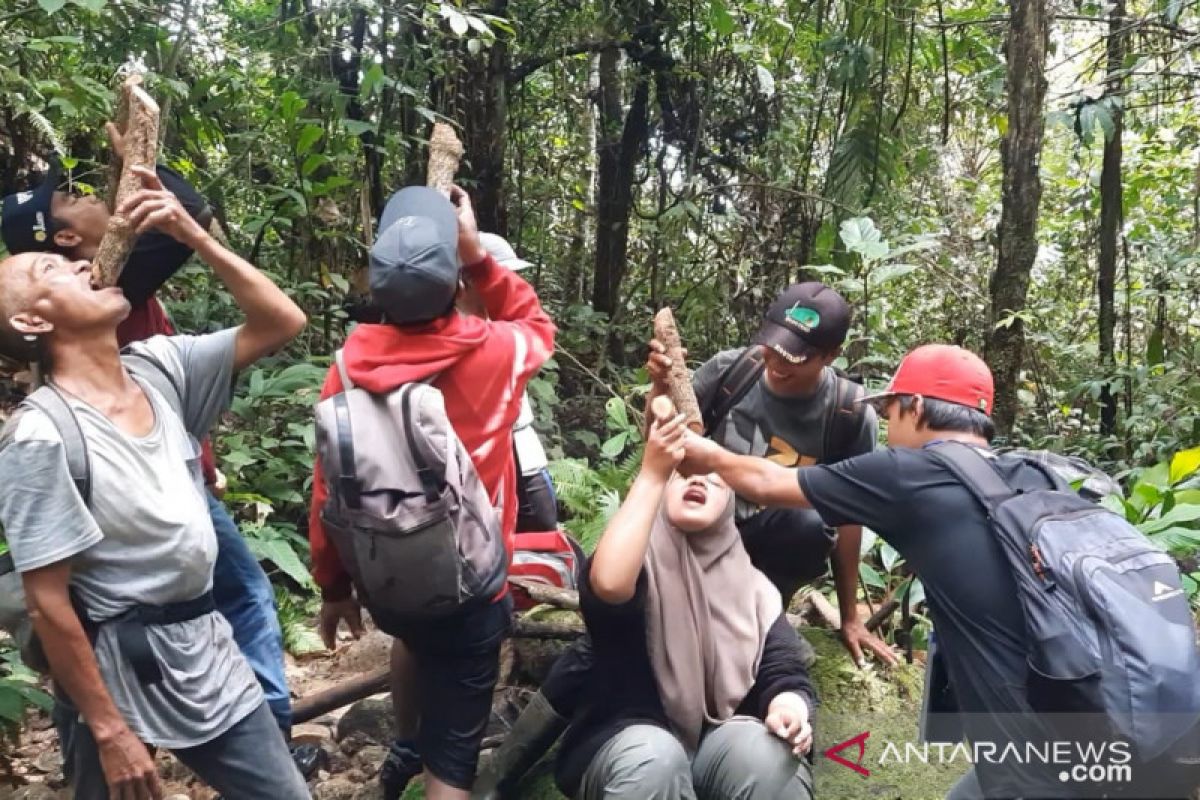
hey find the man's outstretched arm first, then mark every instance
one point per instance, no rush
(128, 767)
(755, 479)
(272, 319)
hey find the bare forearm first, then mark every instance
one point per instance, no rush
(622, 549)
(73, 665)
(760, 481)
(272, 319)
(845, 570)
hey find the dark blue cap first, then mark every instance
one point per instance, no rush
(414, 262)
(25, 217)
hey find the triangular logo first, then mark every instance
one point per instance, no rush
(1161, 588)
(856, 765)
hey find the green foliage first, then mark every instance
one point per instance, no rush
(1164, 503)
(590, 496)
(19, 690)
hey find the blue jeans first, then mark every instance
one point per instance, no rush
(245, 598)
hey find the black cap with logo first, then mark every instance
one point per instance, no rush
(806, 319)
(414, 262)
(25, 217)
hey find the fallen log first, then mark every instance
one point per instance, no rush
(679, 381)
(333, 698)
(544, 593)
(445, 153)
(532, 629)
(141, 149)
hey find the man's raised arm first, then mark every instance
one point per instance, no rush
(758, 480)
(128, 768)
(272, 319)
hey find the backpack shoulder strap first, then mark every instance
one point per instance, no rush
(844, 420)
(976, 472)
(142, 364)
(50, 402)
(737, 379)
(339, 360)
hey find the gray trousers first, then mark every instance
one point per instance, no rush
(250, 761)
(740, 760)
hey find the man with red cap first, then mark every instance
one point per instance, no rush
(912, 499)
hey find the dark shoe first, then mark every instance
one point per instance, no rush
(534, 732)
(309, 759)
(403, 763)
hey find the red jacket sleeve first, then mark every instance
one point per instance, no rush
(327, 570)
(511, 301)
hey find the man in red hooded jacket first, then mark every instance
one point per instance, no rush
(481, 368)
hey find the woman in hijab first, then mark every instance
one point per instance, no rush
(698, 691)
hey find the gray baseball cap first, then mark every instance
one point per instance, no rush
(499, 249)
(414, 262)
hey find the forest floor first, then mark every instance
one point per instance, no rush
(883, 702)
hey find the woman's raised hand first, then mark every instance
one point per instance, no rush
(665, 444)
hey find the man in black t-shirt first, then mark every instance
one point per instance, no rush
(939, 393)
(796, 411)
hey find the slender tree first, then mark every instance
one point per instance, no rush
(1111, 215)
(1020, 150)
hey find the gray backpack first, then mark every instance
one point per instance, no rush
(407, 512)
(14, 616)
(1110, 630)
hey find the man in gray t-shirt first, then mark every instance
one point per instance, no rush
(135, 562)
(791, 415)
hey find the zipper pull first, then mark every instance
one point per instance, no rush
(1039, 565)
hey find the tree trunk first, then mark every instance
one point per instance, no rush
(485, 129)
(617, 149)
(1020, 151)
(1110, 220)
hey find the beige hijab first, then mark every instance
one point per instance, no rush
(708, 611)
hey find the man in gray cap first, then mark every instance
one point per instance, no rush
(481, 366)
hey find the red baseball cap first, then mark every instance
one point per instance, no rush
(943, 372)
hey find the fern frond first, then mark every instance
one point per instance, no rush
(47, 130)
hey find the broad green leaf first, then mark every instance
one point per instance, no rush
(618, 415)
(1158, 476)
(614, 446)
(1184, 463)
(51, 6)
(1155, 353)
(308, 137)
(312, 163)
(291, 104)
(94, 6)
(1177, 539)
(718, 16)
(281, 554)
(372, 78)
(357, 127)
(1178, 515)
(889, 556)
(12, 704)
(889, 272)
(458, 23)
(869, 537)
(871, 576)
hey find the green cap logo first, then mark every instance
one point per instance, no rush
(804, 318)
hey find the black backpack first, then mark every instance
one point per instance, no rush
(842, 425)
(1109, 625)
